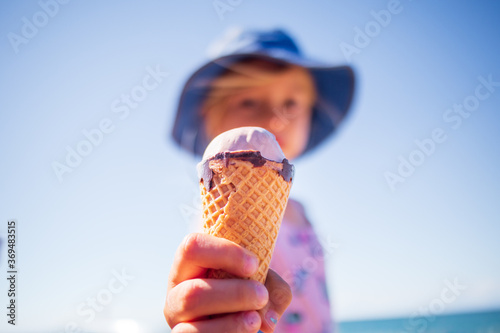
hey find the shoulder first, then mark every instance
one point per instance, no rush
(295, 214)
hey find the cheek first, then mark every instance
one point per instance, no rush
(297, 137)
(302, 134)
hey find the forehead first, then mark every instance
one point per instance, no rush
(291, 81)
(267, 75)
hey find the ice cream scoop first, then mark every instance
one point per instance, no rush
(253, 144)
(246, 138)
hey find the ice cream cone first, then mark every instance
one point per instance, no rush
(244, 202)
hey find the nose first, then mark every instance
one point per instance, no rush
(277, 120)
(276, 125)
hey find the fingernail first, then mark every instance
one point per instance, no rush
(272, 318)
(251, 319)
(251, 264)
(262, 294)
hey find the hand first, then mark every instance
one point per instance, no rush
(197, 304)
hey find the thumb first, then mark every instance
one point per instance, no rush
(280, 296)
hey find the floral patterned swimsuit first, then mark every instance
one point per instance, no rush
(298, 258)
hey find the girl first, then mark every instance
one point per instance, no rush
(263, 81)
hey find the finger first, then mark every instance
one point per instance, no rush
(280, 296)
(198, 252)
(242, 322)
(197, 298)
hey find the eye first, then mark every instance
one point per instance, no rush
(249, 103)
(290, 103)
(290, 106)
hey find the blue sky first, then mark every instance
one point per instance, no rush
(130, 201)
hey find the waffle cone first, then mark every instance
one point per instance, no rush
(245, 205)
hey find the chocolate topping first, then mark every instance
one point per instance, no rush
(253, 157)
(287, 171)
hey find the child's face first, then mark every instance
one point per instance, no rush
(282, 106)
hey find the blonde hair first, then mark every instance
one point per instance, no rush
(243, 75)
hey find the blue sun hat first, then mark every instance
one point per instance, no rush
(334, 85)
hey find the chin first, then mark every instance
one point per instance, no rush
(290, 155)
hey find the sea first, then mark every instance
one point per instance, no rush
(477, 322)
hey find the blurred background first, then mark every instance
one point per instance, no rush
(405, 196)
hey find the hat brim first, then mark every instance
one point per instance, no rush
(334, 86)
